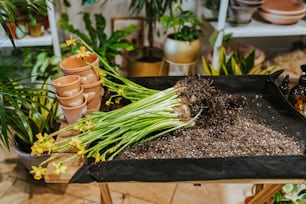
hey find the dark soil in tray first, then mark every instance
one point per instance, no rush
(232, 125)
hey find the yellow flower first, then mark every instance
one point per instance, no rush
(81, 152)
(82, 52)
(89, 124)
(117, 100)
(76, 127)
(71, 41)
(120, 92)
(38, 172)
(75, 142)
(59, 168)
(97, 157)
(102, 82)
(49, 146)
(102, 73)
(37, 149)
(108, 103)
(39, 137)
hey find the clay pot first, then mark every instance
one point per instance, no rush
(35, 30)
(87, 68)
(146, 61)
(67, 85)
(72, 114)
(241, 15)
(94, 93)
(182, 52)
(73, 100)
(288, 7)
(280, 19)
(17, 30)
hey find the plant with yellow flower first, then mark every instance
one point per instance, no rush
(103, 135)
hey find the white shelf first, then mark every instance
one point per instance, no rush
(260, 29)
(49, 38)
(29, 41)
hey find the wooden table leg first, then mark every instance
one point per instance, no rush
(105, 194)
(266, 193)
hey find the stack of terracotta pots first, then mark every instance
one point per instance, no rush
(79, 91)
(283, 12)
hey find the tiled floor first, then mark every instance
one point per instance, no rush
(17, 186)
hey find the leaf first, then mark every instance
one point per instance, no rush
(91, 30)
(248, 62)
(206, 67)
(3, 122)
(235, 66)
(213, 38)
(227, 38)
(221, 58)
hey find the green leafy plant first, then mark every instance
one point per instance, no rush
(291, 194)
(186, 25)
(25, 110)
(43, 64)
(235, 64)
(11, 8)
(108, 47)
(154, 9)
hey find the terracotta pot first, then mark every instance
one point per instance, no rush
(17, 31)
(71, 101)
(88, 68)
(182, 52)
(67, 85)
(35, 30)
(141, 64)
(72, 114)
(94, 93)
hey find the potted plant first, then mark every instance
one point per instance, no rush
(148, 58)
(236, 63)
(183, 46)
(26, 111)
(14, 11)
(108, 47)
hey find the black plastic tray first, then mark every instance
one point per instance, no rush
(284, 118)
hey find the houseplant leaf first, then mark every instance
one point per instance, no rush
(3, 122)
(248, 62)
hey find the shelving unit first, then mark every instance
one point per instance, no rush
(253, 29)
(257, 28)
(48, 39)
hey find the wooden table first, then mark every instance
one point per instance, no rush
(74, 165)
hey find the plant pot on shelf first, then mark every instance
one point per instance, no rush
(146, 62)
(17, 30)
(35, 30)
(182, 52)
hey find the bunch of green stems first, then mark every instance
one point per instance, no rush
(103, 135)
